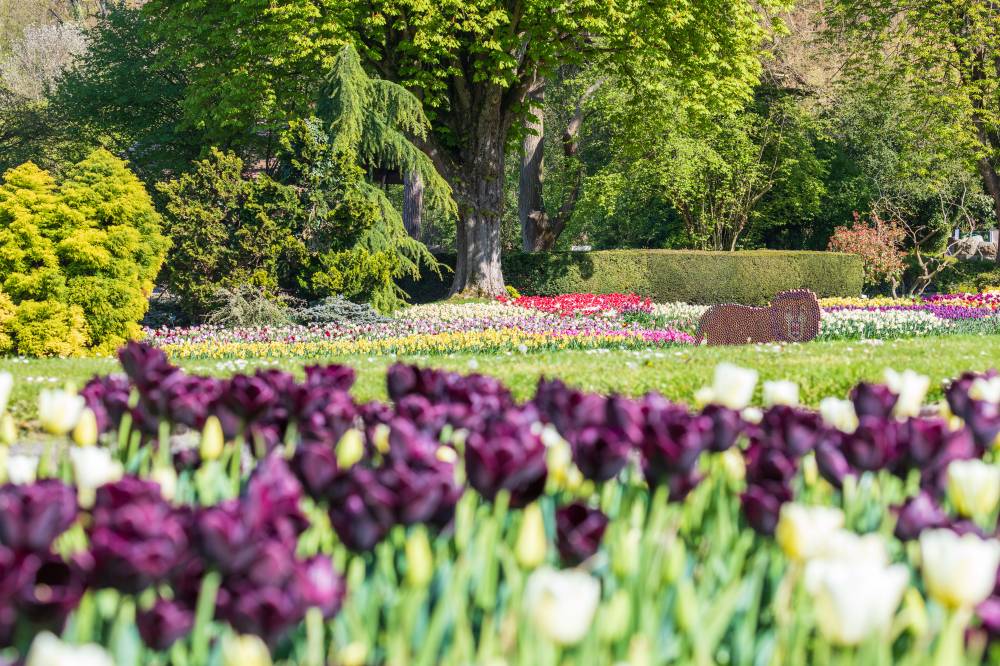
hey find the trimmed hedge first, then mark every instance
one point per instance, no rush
(752, 277)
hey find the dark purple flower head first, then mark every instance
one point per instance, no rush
(145, 365)
(989, 617)
(249, 397)
(874, 400)
(333, 377)
(579, 530)
(361, 509)
(917, 514)
(957, 392)
(769, 465)
(187, 399)
(762, 505)
(727, 425)
(271, 504)
(672, 440)
(874, 445)
(315, 466)
(321, 415)
(983, 421)
(790, 429)
(267, 611)
(164, 624)
(506, 454)
(33, 515)
(108, 398)
(423, 488)
(53, 590)
(136, 538)
(320, 586)
(225, 538)
(830, 459)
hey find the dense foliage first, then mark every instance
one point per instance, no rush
(78, 257)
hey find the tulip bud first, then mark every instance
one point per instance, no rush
(916, 613)
(419, 559)
(625, 560)
(353, 654)
(676, 562)
(531, 540)
(92, 468)
(810, 469)
(58, 411)
(839, 413)
(166, 478)
(446, 454)
(781, 392)
(911, 389)
(803, 532)
(8, 430)
(686, 609)
(85, 433)
(640, 652)
(563, 474)
(245, 650)
(381, 438)
(350, 449)
(562, 604)
(733, 465)
(21, 470)
(733, 386)
(213, 440)
(615, 616)
(973, 487)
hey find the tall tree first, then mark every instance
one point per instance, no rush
(474, 63)
(947, 53)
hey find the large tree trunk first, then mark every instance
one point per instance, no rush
(530, 208)
(478, 190)
(413, 203)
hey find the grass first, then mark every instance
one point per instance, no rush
(820, 368)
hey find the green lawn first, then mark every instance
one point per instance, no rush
(821, 368)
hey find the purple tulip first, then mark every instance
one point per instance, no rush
(957, 392)
(762, 505)
(225, 538)
(267, 611)
(52, 592)
(790, 429)
(332, 377)
(767, 465)
(321, 587)
(989, 617)
(271, 504)
(506, 455)
(579, 530)
(874, 400)
(145, 365)
(315, 466)
(248, 397)
(136, 538)
(424, 489)
(672, 440)
(108, 398)
(917, 514)
(32, 516)
(164, 624)
(361, 510)
(727, 426)
(874, 445)
(830, 459)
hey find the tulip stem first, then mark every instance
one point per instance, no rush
(203, 617)
(314, 637)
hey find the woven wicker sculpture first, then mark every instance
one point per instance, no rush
(793, 316)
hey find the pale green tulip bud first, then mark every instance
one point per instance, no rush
(686, 610)
(531, 540)
(85, 433)
(419, 558)
(213, 440)
(8, 430)
(245, 650)
(676, 562)
(614, 617)
(350, 449)
(353, 654)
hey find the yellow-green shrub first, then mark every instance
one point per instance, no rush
(77, 257)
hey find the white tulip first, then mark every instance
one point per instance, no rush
(732, 386)
(92, 468)
(910, 388)
(245, 650)
(839, 414)
(852, 600)
(959, 571)
(6, 386)
(22, 469)
(58, 411)
(782, 392)
(987, 390)
(562, 604)
(752, 414)
(974, 487)
(846, 546)
(48, 650)
(803, 531)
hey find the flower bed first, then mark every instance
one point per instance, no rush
(455, 525)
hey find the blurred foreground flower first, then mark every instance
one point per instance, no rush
(245, 650)
(959, 571)
(855, 600)
(59, 410)
(839, 414)
(561, 604)
(803, 532)
(92, 468)
(781, 392)
(732, 386)
(974, 487)
(47, 650)
(579, 530)
(910, 388)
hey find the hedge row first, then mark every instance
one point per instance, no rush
(750, 277)
(968, 276)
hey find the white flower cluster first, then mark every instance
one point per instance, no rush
(459, 311)
(882, 325)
